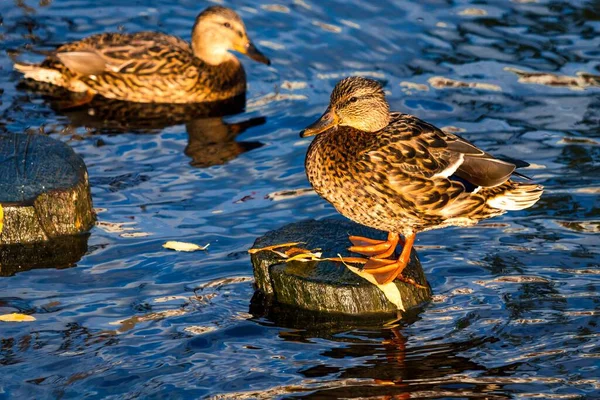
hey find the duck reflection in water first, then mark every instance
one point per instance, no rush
(211, 141)
(372, 357)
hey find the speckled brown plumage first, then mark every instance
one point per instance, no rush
(155, 67)
(384, 180)
(399, 174)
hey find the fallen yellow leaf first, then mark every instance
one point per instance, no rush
(277, 246)
(183, 246)
(390, 290)
(1, 218)
(15, 317)
(305, 257)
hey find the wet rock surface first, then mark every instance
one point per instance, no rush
(44, 190)
(326, 285)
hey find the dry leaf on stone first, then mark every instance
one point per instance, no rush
(293, 253)
(15, 317)
(183, 246)
(277, 246)
(390, 290)
(304, 256)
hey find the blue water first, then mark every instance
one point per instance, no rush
(517, 304)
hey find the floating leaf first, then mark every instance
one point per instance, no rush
(15, 317)
(183, 246)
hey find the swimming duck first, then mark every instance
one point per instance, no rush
(153, 67)
(399, 174)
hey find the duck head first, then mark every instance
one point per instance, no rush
(355, 102)
(217, 31)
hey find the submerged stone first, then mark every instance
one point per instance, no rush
(44, 190)
(326, 285)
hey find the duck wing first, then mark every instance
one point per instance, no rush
(142, 53)
(422, 150)
(416, 164)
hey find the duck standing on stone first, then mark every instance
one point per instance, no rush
(396, 173)
(153, 67)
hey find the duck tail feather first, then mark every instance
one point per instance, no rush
(515, 196)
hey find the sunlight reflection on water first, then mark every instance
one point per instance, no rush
(515, 312)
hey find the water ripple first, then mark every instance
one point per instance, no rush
(515, 312)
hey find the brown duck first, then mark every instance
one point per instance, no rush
(397, 173)
(153, 67)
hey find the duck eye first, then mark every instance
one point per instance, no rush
(227, 25)
(353, 99)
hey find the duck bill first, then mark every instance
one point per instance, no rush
(251, 51)
(327, 121)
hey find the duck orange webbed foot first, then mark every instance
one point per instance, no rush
(384, 270)
(375, 248)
